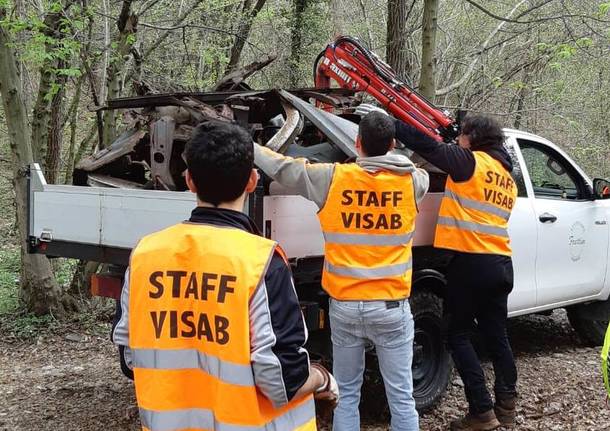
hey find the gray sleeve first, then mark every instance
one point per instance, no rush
(310, 180)
(421, 182)
(266, 366)
(280, 363)
(120, 334)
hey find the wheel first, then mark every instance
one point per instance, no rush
(590, 321)
(432, 364)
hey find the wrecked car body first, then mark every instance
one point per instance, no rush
(148, 154)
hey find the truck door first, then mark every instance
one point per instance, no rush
(571, 256)
(522, 231)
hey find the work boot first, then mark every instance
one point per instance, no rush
(506, 412)
(486, 421)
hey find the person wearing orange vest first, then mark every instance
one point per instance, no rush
(473, 224)
(211, 325)
(367, 214)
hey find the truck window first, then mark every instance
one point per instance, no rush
(552, 176)
(516, 173)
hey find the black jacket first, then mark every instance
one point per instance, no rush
(458, 162)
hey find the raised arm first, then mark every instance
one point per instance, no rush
(458, 162)
(311, 181)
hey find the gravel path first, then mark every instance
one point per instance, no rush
(71, 381)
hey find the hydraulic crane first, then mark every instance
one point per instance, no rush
(351, 65)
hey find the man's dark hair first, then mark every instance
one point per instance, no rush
(376, 131)
(219, 156)
(483, 131)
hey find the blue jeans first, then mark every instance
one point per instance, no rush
(356, 324)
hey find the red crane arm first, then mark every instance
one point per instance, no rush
(352, 66)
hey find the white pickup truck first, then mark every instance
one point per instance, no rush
(559, 231)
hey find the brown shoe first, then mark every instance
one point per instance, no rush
(486, 421)
(506, 412)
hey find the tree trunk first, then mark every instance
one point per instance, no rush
(39, 290)
(429, 25)
(127, 24)
(367, 24)
(296, 42)
(80, 286)
(397, 35)
(40, 114)
(84, 144)
(73, 119)
(522, 94)
(55, 134)
(243, 32)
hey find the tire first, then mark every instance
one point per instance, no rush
(590, 321)
(432, 364)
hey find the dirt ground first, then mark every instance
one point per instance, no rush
(70, 380)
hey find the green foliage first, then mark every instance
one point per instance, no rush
(604, 8)
(584, 42)
(13, 320)
(497, 81)
(64, 271)
(9, 279)
(23, 326)
(130, 39)
(564, 51)
(517, 85)
(41, 48)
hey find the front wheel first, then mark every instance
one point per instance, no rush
(590, 321)
(432, 364)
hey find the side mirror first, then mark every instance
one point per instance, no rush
(601, 188)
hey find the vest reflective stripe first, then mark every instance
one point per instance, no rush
(473, 216)
(189, 331)
(184, 359)
(368, 239)
(481, 206)
(203, 419)
(379, 272)
(368, 221)
(472, 226)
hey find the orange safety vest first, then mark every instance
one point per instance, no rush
(368, 221)
(189, 332)
(474, 214)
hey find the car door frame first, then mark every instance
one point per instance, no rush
(523, 258)
(605, 288)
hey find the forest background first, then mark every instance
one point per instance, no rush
(537, 65)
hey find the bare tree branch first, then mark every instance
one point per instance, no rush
(537, 20)
(243, 30)
(474, 62)
(164, 36)
(203, 27)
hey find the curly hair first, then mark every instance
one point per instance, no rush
(483, 131)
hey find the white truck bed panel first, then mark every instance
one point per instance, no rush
(118, 218)
(294, 220)
(102, 216)
(425, 223)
